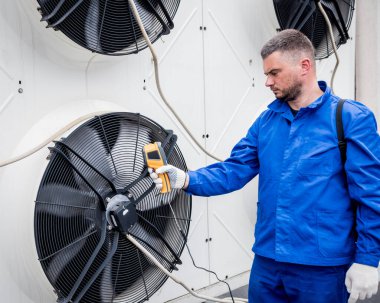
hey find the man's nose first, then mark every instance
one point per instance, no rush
(269, 81)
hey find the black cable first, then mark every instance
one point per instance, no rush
(192, 259)
(209, 271)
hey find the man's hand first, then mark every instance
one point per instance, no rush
(361, 282)
(177, 177)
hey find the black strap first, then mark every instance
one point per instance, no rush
(342, 144)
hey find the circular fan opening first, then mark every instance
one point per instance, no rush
(108, 26)
(83, 257)
(306, 17)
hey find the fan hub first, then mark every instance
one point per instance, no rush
(121, 213)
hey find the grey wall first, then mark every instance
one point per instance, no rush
(368, 54)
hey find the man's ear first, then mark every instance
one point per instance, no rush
(306, 65)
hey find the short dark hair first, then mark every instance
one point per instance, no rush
(288, 40)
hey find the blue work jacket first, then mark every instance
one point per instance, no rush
(308, 208)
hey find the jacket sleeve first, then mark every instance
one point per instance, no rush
(231, 174)
(363, 177)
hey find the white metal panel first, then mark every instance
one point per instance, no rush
(233, 68)
(235, 95)
(11, 65)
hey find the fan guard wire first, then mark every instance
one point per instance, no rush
(70, 227)
(305, 16)
(107, 26)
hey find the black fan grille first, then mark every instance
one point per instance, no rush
(304, 15)
(100, 158)
(108, 26)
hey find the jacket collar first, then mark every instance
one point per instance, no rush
(280, 106)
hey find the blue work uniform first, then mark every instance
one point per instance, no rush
(311, 209)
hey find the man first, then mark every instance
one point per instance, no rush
(310, 204)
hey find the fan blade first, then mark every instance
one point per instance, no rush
(99, 13)
(345, 34)
(55, 10)
(111, 252)
(136, 285)
(129, 277)
(89, 145)
(99, 173)
(106, 285)
(127, 153)
(153, 200)
(169, 214)
(61, 259)
(67, 14)
(92, 26)
(155, 240)
(89, 263)
(153, 14)
(129, 145)
(64, 201)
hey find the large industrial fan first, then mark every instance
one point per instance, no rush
(305, 16)
(108, 26)
(81, 244)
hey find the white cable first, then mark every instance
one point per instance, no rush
(174, 278)
(51, 138)
(333, 43)
(157, 77)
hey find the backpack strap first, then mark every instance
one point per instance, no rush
(342, 144)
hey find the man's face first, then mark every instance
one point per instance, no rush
(283, 76)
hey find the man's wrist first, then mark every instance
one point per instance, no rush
(186, 183)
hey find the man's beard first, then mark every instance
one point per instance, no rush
(292, 92)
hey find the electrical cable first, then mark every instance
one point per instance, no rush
(51, 138)
(211, 272)
(332, 41)
(173, 277)
(157, 77)
(191, 256)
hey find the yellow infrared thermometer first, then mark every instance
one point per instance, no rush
(155, 157)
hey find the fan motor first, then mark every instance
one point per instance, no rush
(121, 213)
